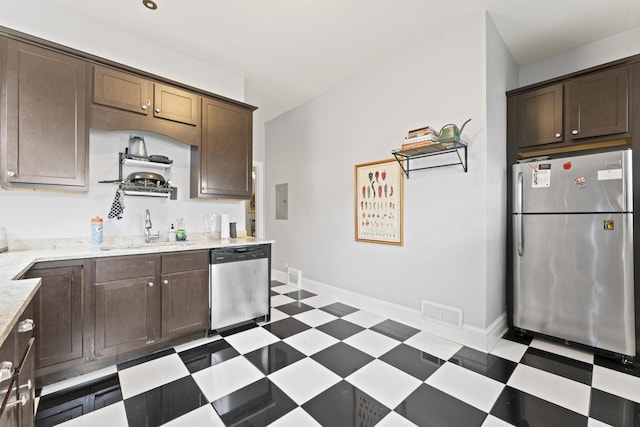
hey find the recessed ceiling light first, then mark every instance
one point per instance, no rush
(150, 4)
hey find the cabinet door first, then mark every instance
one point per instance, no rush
(599, 104)
(174, 104)
(126, 315)
(121, 90)
(225, 155)
(58, 307)
(47, 138)
(540, 116)
(185, 303)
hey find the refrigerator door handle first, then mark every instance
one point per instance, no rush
(520, 208)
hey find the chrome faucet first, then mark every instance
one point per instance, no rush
(148, 237)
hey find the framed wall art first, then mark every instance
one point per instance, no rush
(378, 202)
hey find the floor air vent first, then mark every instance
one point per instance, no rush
(450, 316)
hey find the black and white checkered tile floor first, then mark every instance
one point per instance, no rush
(321, 362)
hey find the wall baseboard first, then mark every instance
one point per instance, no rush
(471, 336)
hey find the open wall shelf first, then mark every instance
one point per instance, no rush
(405, 156)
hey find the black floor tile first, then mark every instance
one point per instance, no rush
(145, 359)
(617, 365)
(342, 359)
(522, 409)
(412, 361)
(338, 309)
(340, 329)
(294, 308)
(518, 336)
(559, 365)
(273, 293)
(345, 405)
(275, 283)
(300, 294)
(164, 403)
(286, 327)
(257, 404)
(395, 330)
(225, 332)
(428, 406)
(273, 357)
(207, 355)
(488, 365)
(73, 402)
(614, 410)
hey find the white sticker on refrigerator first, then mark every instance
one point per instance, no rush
(541, 176)
(609, 174)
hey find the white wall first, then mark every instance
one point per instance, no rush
(314, 148)
(29, 215)
(608, 49)
(502, 75)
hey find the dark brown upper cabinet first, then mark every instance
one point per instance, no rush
(599, 104)
(585, 109)
(43, 133)
(123, 100)
(221, 167)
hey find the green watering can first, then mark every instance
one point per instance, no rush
(451, 133)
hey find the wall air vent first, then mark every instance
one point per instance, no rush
(446, 315)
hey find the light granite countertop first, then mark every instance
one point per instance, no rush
(16, 294)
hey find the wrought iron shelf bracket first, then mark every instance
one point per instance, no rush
(404, 156)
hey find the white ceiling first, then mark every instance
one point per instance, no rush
(290, 51)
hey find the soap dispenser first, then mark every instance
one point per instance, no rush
(172, 234)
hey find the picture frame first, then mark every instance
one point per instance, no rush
(379, 202)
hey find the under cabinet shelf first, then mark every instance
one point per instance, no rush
(404, 156)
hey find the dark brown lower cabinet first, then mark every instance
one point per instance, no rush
(58, 314)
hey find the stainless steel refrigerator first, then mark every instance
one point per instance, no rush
(573, 249)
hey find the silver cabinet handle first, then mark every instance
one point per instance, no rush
(157, 110)
(26, 325)
(165, 282)
(6, 370)
(22, 401)
(204, 188)
(11, 173)
(558, 135)
(151, 284)
(574, 132)
(144, 107)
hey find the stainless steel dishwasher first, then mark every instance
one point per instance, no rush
(239, 285)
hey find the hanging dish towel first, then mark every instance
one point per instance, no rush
(117, 207)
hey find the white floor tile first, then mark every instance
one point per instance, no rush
(251, 339)
(226, 377)
(617, 383)
(595, 423)
(319, 301)
(468, 386)
(278, 300)
(304, 379)
(52, 388)
(509, 350)
(434, 345)
(492, 421)
(364, 318)
(553, 388)
(372, 342)
(393, 419)
(310, 341)
(196, 343)
(315, 317)
(113, 415)
(203, 416)
(385, 383)
(277, 315)
(563, 350)
(152, 374)
(296, 418)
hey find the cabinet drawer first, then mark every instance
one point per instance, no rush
(127, 267)
(185, 261)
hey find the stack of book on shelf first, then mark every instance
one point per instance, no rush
(420, 137)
